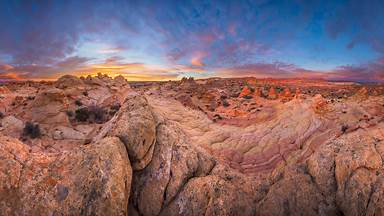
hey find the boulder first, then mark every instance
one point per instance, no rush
(135, 125)
(11, 126)
(90, 180)
(62, 132)
(68, 81)
(49, 107)
(174, 162)
(120, 81)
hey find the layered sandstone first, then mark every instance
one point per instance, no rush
(212, 153)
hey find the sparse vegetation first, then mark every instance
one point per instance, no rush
(97, 114)
(344, 128)
(82, 114)
(92, 114)
(225, 103)
(247, 97)
(114, 109)
(78, 103)
(69, 113)
(31, 130)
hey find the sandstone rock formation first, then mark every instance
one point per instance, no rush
(68, 81)
(49, 107)
(304, 156)
(257, 93)
(245, 92)
(92, 180)
(272, 93)
(136, 127)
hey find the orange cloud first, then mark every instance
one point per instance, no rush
(197, 59)
(11, 76)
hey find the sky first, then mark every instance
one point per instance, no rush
(167, 40)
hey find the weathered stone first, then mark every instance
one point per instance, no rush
(91, 180)
(135, 125)
(68, 81)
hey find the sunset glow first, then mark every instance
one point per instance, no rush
(342, 40)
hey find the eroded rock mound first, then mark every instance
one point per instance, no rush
(245, 92)
(68, 81)
(136, 127)
(307, 155)
(91, 180)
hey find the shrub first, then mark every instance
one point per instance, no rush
(225, 103)
(92, 114)
(247, 97)
(78, 103)
(1, 115)
(97, 114)
(114, 109)
(85, 93)
(82, 114)
(31, 130)
(69, 113)
(344, 128)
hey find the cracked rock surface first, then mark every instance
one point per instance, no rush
(93, 180)
(305, 155)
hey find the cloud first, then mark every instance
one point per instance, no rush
(110, 50)
(368, 72)
(197, 59)
(268, 70)
(362, 21)
(42, 39)
(81, 66)
(45, 32)
(73, 62)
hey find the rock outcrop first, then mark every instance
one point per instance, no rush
(245, 92)
(157, 156)
(91, 180)
(69, 81)
(272, 93)
(49, 107)
(136, 127)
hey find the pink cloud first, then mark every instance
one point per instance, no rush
(197, 59)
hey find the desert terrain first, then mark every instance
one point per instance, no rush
(218, 146)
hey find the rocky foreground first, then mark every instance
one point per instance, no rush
(102, 146)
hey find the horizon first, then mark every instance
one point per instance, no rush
(168, 40)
